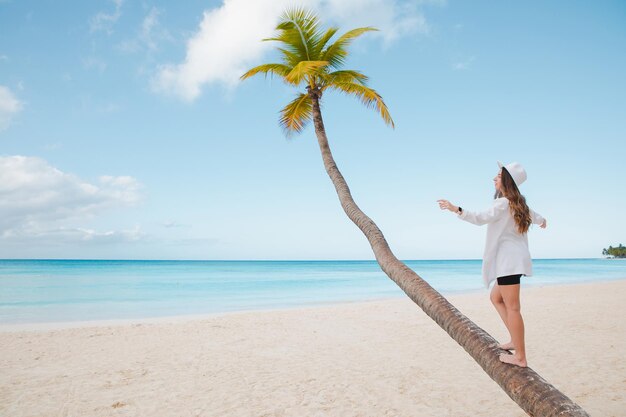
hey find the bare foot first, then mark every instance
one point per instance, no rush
(507, 346)
(513, 360)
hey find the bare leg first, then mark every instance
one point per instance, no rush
(510, 295)
(498, 303)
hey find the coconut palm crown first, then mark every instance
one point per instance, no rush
(309, 58)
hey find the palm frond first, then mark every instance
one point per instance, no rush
(291, 42)
(295, 115)
(336, 53)
(369, 97)
(299, 30)
(343, 76)
(268, 69)
(304, 69)
(289, 58)
(309, 55)
(306, 20)
(323, 40)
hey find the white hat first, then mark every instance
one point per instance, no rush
(517, 171)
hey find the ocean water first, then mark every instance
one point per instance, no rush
(37, 291)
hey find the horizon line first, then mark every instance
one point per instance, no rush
(270, 260)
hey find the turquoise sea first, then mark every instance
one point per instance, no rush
(36, 291)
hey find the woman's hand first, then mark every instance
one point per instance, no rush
(544, 224)
(446, 205)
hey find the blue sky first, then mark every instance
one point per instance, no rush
(125, 133)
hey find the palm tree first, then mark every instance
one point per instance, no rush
(310, 59)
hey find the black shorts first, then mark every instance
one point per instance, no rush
(509, 280)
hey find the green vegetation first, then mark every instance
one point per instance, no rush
(309, 59)
(618, 252)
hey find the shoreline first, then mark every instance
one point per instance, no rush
(370, 358)
(60, 325)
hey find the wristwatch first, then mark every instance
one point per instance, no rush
(460, 210)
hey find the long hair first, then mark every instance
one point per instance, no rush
(517, 202)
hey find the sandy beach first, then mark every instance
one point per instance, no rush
(379, 358)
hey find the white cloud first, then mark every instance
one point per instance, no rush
(148, 27)
(37, 201)
(69, 236)
(149, 35)
(228, 40)
(103, 21)
(394, 19)
(9, 107)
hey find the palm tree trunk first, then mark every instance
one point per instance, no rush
(529, 390)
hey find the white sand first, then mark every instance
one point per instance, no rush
(383, 358)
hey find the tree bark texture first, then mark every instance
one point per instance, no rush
(528, 389)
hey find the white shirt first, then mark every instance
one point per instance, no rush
(506, 250)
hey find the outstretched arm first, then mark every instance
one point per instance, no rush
(446, 205)
(479, 218)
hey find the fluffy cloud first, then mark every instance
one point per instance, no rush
(228, 39)
(9, 107)
(37, 200)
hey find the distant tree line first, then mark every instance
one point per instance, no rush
(618, 252)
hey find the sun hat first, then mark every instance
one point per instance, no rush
(517, 171)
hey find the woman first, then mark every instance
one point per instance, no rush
(506, 257)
